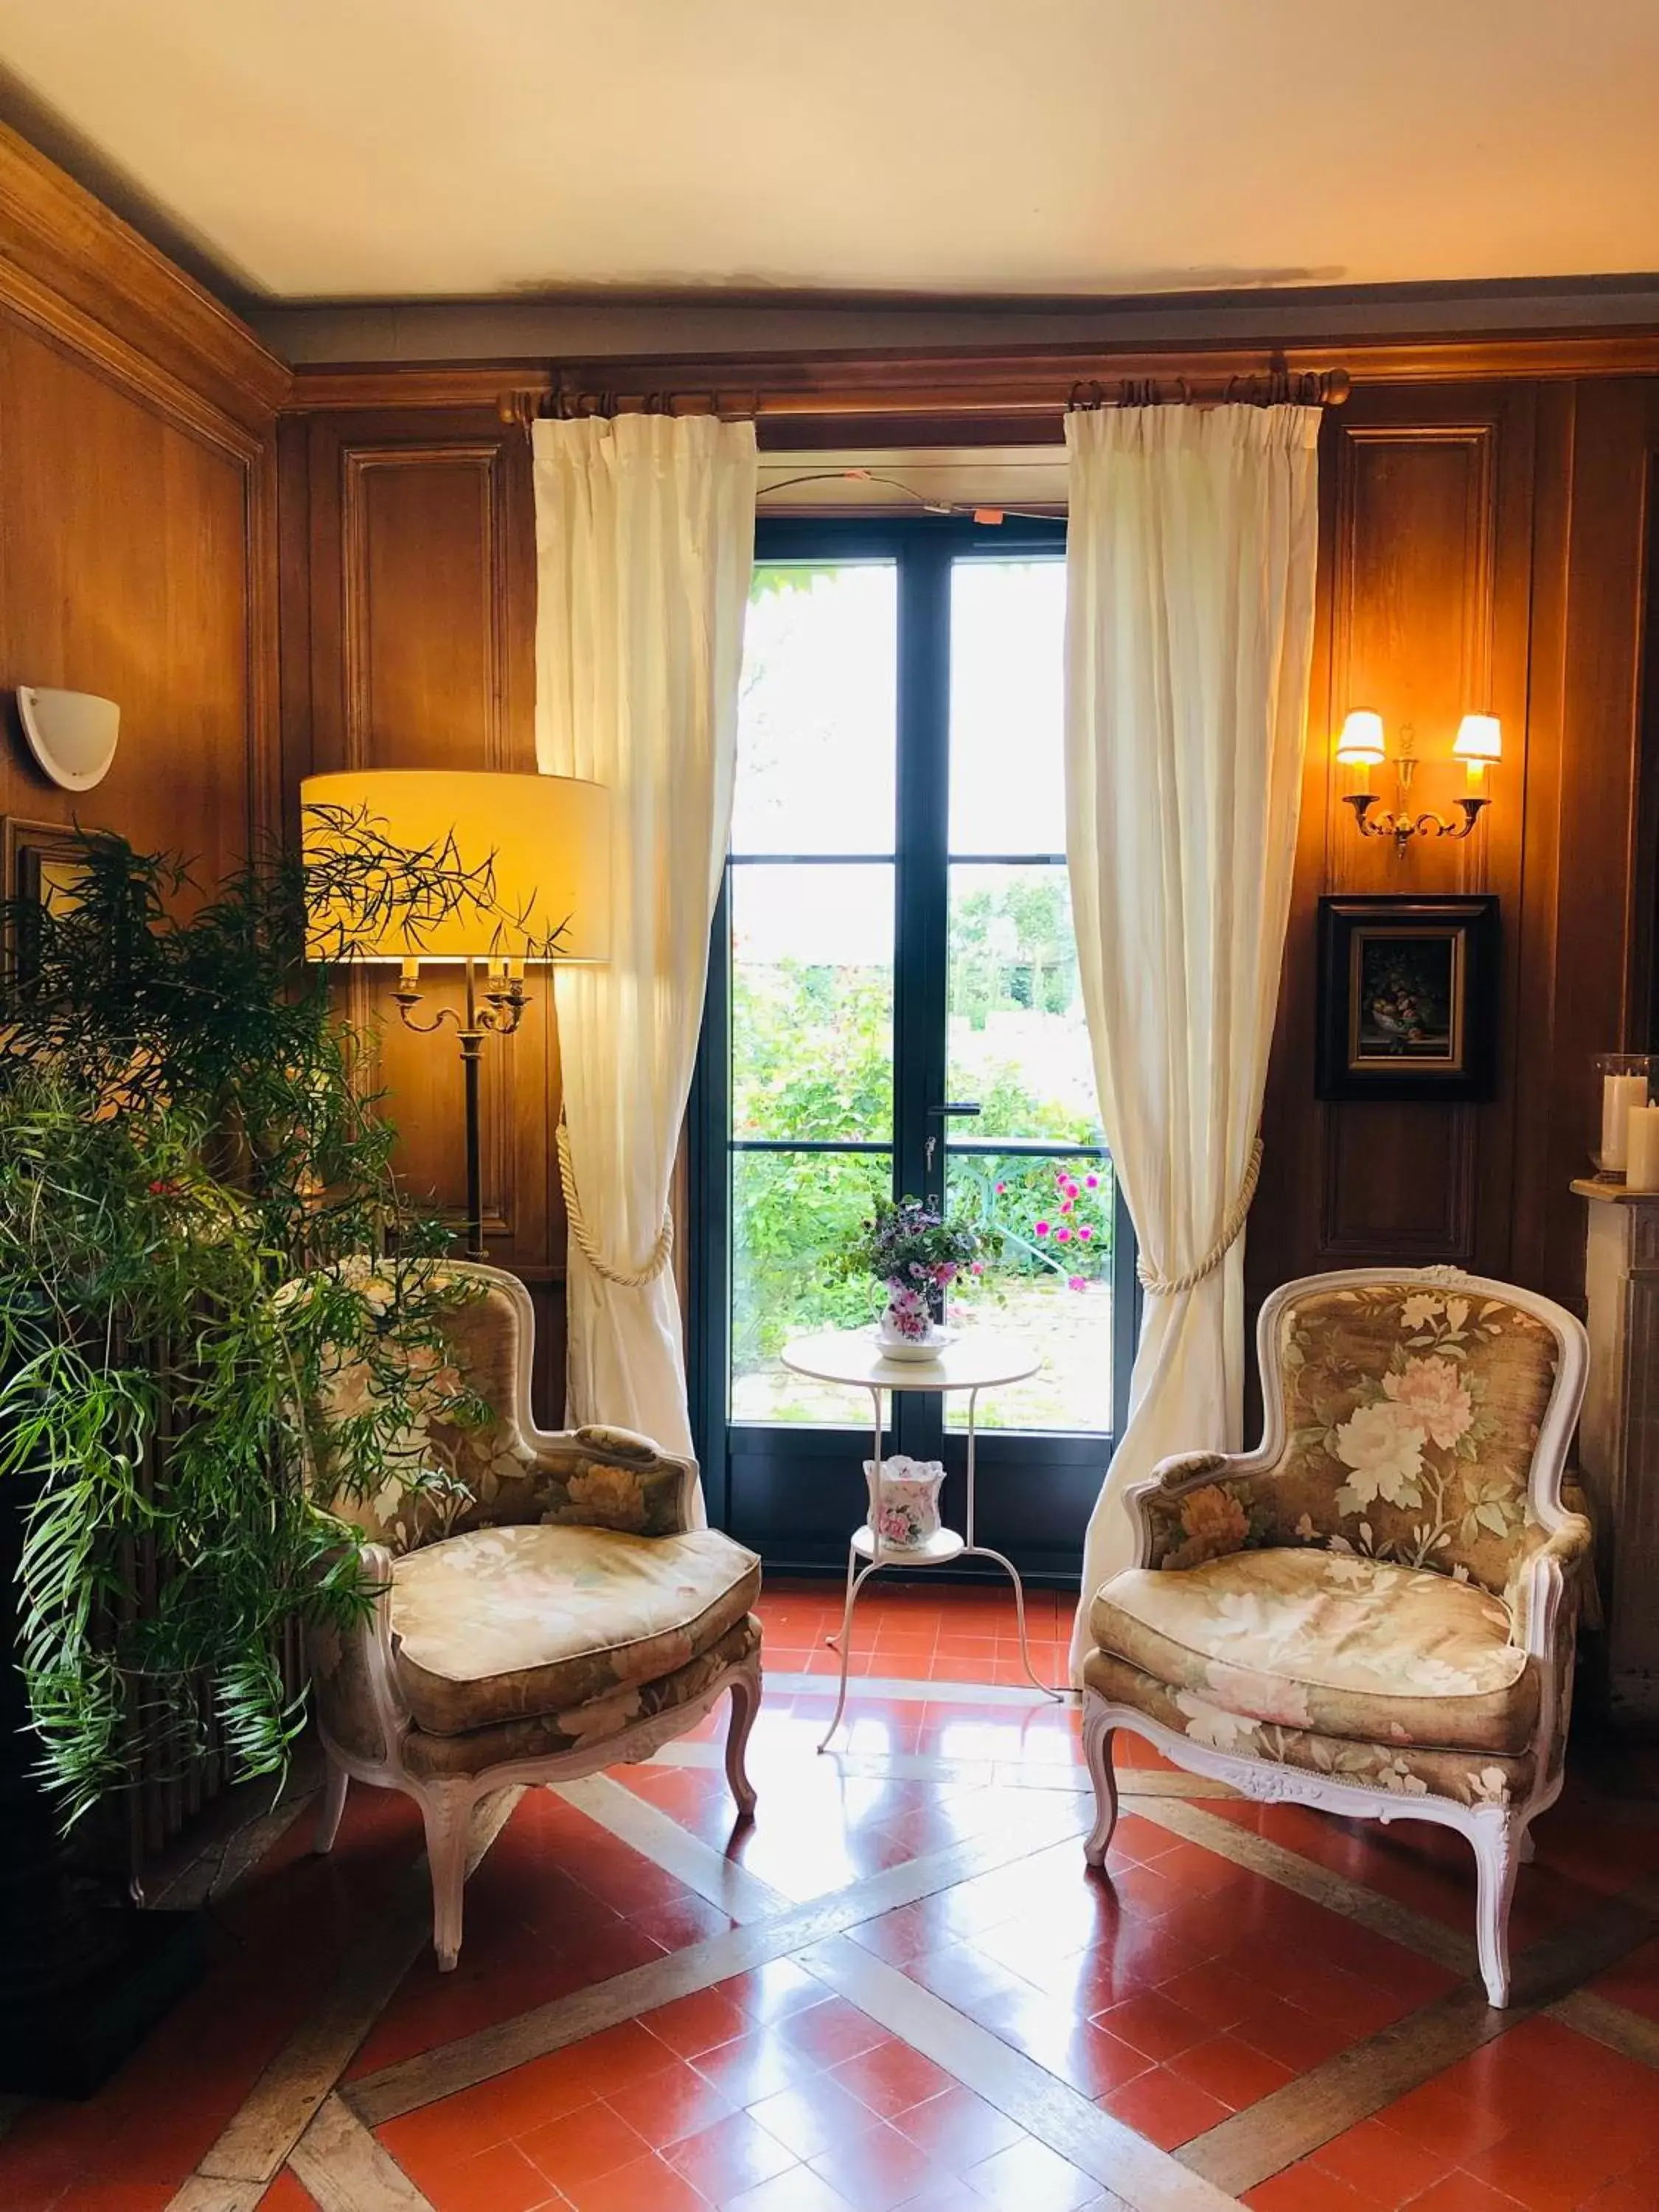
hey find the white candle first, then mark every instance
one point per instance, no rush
(1641, 1148)
(1620, 1095)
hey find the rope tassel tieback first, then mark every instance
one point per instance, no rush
(661, 1252)
(1172, 1286)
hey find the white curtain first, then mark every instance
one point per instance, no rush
(1190, 558)
(645, 534)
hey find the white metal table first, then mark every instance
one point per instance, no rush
(977, 1360)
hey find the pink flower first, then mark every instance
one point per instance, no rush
(1002, 1188)
(1070, 1189)
(1091, 1182)
(1042, 1229)
(916, 1269)
(1085, 1231)
(1066, 1205)
(945, 1271)
(1074, 1282)
(1433, 1393)
(979, 1266)
(1062, 1235)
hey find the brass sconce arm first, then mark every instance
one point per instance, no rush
(1401, 827)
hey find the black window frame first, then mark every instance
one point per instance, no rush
(811, 1507)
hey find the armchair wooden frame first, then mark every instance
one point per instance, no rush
(1498, 1833)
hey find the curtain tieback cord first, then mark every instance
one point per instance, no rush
(661, 1252)
(1172, 1286)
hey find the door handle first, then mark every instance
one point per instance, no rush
(955, 1106)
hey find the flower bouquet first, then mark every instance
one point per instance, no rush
(910, 1248)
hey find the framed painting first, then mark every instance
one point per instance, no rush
(1407, 998)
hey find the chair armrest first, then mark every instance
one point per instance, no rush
(360, 1704)
(1199, 1505)
(601, 1477)
(1539, 1580)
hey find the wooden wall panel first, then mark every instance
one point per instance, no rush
(1482, 548)
(131, 564)
(408, 628)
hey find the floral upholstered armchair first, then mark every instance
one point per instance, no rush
(544, 1608)
(1374, 1612)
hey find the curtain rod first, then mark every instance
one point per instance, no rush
(570, 400)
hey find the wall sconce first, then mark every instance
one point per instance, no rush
(72, 734)
(1477, 744)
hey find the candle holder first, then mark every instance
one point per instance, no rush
(1624, 1080)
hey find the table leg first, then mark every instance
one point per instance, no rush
(856, 1577)
(984, 1552)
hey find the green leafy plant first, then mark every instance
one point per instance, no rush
(189, 1164)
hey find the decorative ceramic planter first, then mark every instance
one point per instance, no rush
(906, 1329)
(904, 1501)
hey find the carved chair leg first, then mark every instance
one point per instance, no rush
(447, 1807)
(1496, 1839)
(746, 1703)
(330, 1807)
(1097, 1751)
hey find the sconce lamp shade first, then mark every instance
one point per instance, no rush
(545, 838)
(72, 734)
(1480, 738)
(1362, 737)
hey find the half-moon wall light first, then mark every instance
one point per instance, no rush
(72, 734)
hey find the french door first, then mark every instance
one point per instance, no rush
(893, 1007)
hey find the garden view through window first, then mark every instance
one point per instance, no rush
(900, 944)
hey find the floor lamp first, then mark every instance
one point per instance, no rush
(494, 873)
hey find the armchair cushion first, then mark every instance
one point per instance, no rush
(1331, 1642)
(579, 1727)
(1403, 1770)
(498, 1623)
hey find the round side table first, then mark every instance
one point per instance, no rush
(976, 1361)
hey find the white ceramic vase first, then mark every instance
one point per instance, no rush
(904, 1501)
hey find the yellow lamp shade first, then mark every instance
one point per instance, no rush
(1362, 737)
(1480, 738)
(525, 861)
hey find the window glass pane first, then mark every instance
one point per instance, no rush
(1016, 1039)
(793, 1214)
(1052, 1283)
(1007, 677)
(812, 1001)
(817, 723)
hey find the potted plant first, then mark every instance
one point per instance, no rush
(915, 1253)
(184, 1130)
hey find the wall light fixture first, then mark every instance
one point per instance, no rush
(1477, 744)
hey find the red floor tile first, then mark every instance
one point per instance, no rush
(664, 2106)
(582, 2146)
(1161, 2107)
(500, 2179)
(958, 2129)
(729, 2156)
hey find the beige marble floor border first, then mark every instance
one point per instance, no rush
(1140, 2176)
(346, 2169)
(488, 2051)
(1292, 2123)
(258, 2140)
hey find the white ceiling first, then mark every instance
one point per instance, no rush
(425, 149)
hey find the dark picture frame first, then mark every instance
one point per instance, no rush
(1407, 998)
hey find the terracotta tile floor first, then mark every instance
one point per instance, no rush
(900, 1987)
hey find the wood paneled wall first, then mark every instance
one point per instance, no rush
(1482, 549)
(137, 543)
(407, 641)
